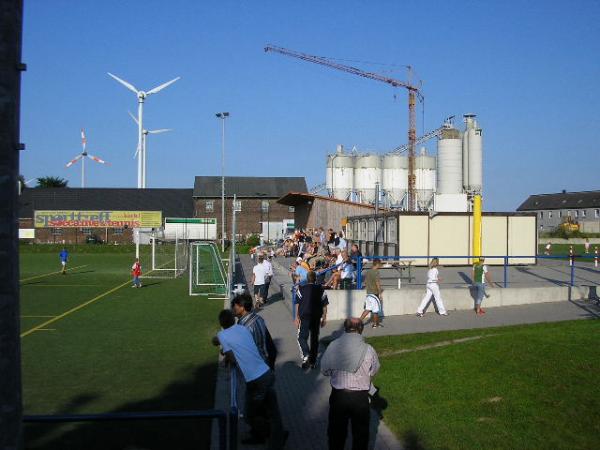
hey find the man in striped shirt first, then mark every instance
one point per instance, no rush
(351, 363)
(242, 309)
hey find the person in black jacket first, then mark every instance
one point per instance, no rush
(311, 315)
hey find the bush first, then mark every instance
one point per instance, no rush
(253, 240)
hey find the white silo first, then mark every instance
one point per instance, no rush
(340, 174)
(395, 178)
(450, 162)
(367, 172)
(475, 154)
(425, 178)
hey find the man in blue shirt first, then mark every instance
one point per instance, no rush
(64, 258)
(262, 409)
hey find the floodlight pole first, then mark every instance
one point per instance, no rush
(222, 116)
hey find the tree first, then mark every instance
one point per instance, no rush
(51, 182)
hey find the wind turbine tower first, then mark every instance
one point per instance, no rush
(145, 134)
(141, 96)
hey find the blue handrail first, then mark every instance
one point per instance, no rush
(505, 259)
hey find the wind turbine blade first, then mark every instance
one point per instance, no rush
(95, 158)
(161, 130)
(129, 86)
(133, 117)
(74, 160)
(137, 150)
(162, 86)
(83, 139)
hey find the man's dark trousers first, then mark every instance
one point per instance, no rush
(309, 327)
(347, 406)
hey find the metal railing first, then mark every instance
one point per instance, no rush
(131, 416)
(227, 422)
(572, 260)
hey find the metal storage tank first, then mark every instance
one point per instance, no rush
(475, 154)
(450, 162)
(367, 172)
(425, 182)
(340, 174)
(395, 178)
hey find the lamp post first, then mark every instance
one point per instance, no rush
(222, 116)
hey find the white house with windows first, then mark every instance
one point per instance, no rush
(554, 209)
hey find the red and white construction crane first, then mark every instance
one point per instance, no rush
(413, 94)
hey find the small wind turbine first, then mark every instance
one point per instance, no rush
(145, 134)
(82, 156)
(141, 95)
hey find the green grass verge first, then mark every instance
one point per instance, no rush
(132, 350)
(563, 250)
(526, 387)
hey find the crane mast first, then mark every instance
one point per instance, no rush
(413, 93)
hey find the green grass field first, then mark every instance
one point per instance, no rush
(92, 344)
(563, 250)
(525, 387)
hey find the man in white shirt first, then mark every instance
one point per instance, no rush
(259, 272)
(262, 409)
(268, 276)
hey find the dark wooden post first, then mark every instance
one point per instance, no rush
(11, 25)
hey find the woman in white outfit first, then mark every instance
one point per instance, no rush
(433, 289)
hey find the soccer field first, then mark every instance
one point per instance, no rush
(92, 344)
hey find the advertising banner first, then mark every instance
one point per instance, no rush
(98, 219)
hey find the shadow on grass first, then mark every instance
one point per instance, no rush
(194, 392)
(412, 441)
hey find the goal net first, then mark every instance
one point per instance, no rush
(164, 258)
(207, 272)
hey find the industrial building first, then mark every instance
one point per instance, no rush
(582, 208)
(78, 215)
(445, 183)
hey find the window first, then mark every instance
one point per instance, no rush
(560, 214)
(576, 213)
(291, 209)
(86, 231)
(583, 213)
(57, 231)
(237, 206)
(210, 205)
(597, 214)
(118, 231)
(541, 214)
(264, 206)
(549, 214)
(568, 212)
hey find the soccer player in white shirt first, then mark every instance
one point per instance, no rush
(433, 290)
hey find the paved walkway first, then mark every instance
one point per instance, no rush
(303, 397)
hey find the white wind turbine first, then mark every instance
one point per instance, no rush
(141, 95)
(82, 156)
(145, 134)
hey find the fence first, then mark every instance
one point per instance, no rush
(572, 260)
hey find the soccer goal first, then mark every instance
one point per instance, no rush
(207, 272)
(164, 258)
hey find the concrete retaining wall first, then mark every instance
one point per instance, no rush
(397, 302)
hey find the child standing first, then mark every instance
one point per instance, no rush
(136, 272)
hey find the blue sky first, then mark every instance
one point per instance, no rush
(529, 69)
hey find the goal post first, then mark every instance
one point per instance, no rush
(163, 257)
(207, 274)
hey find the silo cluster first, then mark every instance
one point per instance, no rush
(444, 183)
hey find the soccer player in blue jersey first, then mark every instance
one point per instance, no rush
(64, 258)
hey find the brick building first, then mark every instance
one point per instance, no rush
(256, 201)
(170, 202)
